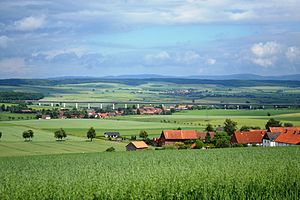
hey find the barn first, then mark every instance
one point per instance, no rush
(172, 136)
(252, 137)
(136, 145)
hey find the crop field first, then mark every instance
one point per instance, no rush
(200, 118)
(235, 173)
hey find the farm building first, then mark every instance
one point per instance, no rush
(172, 136)
(288, 137)
(269, 139)
(111, 134)
(252, 137)
(136, 145)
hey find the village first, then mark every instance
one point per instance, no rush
(189, 139)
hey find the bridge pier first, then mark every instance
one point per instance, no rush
(64, 105)
(138, 106)
(52, 104)
(250, 107)
(225, 107)
(76, 105)
(125, 106)
(113, 106)
(40, 104)
(101, 106)
(89, 106)
(237, 107)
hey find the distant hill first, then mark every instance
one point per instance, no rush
(293, 77)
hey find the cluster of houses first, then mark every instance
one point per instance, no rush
(274, 136)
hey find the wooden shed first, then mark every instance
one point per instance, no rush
(136, 145)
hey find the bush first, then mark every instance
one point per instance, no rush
(180, 145)
(199, 144)
(110, 149)
(222, 143)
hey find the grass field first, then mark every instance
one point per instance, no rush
(200, 118)
(44, 142)
(235, 173)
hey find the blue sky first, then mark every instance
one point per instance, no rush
(194, 37)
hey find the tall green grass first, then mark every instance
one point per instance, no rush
(246, 173)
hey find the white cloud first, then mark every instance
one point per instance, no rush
(188, 57)
(157, 58)
(211, 61)
(292, 53)
(265, 50)
(30, 23)
(266, 54)
(12, 66)
(264, 62)
(49, 55)
(4, 40)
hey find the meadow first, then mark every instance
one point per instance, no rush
(234, 173)
(12, 143)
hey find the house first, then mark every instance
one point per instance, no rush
(46, 117)
(103, 115)
(283, 129)
(252, 137)
(269, 139)
(149, 110)
(136, 145)
(288, 137)
(111, 134)
(172, 136)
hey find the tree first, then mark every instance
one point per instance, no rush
(60, 134)
(273, 123)
(207, 138)
(110, 149)
(199, 144)
(28, 135)
(91, 133)
(179, 128)
(222, 143)
(209, 128)
(230, 126)
(0, 134)
(288, 124)
(245, 128)
(143, 134)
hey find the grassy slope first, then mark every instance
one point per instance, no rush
(235, 173)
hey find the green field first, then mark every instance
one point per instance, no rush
(200, 118)
(12, 143)
(234, 173)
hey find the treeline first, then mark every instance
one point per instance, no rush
(135, 82)
(9, 96)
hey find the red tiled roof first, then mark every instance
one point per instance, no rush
(184, 134)
(253, 136)
(284, 129)
(289, 137)
(180, 134)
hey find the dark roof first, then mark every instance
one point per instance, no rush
(111, 133)
(271, 136)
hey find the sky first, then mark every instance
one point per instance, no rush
(42, 38)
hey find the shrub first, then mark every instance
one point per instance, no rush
(110, 149)
(199, 144)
